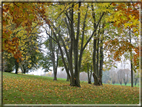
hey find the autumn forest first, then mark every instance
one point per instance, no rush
(78, 37)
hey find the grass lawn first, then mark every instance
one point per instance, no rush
(29, 89)
(128, 84)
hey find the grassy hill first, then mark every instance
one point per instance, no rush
(29, 89)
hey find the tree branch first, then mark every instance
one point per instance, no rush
(95, 29)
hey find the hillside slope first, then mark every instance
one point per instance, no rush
(28, 89)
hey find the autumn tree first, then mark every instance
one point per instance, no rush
(18, 15)
(104, 10)
(53, 54)
(20, 33)
(126, 19)
(73, 16)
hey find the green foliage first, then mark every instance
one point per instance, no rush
(60, 62)
(9, 63)
(45, 62)
(43, 90)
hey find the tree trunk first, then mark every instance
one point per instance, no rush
(131, 72)
(131, 60)
(136, 81)
(97, 63)
(88, 72)
(95, 75)
(89, 77)
(91, 74)
(113, 82)
(23, 69)
(101, 63)
(52, 48)
(68, 78)
(94, 64)
(74, 80)
(120, 82)
(77, 81)
(125, 80)
(16, 66)
(55, 75)
(96, 79)
(76, 40)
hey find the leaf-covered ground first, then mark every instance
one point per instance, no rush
(27, 89)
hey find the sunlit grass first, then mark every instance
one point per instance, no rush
(27, 89)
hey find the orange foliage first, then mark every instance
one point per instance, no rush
(20, 14)
(127, 9)
(120, 47)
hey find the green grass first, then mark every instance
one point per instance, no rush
(128, 84)
(29, 89)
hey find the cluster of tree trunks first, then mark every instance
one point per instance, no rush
(72, 62)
